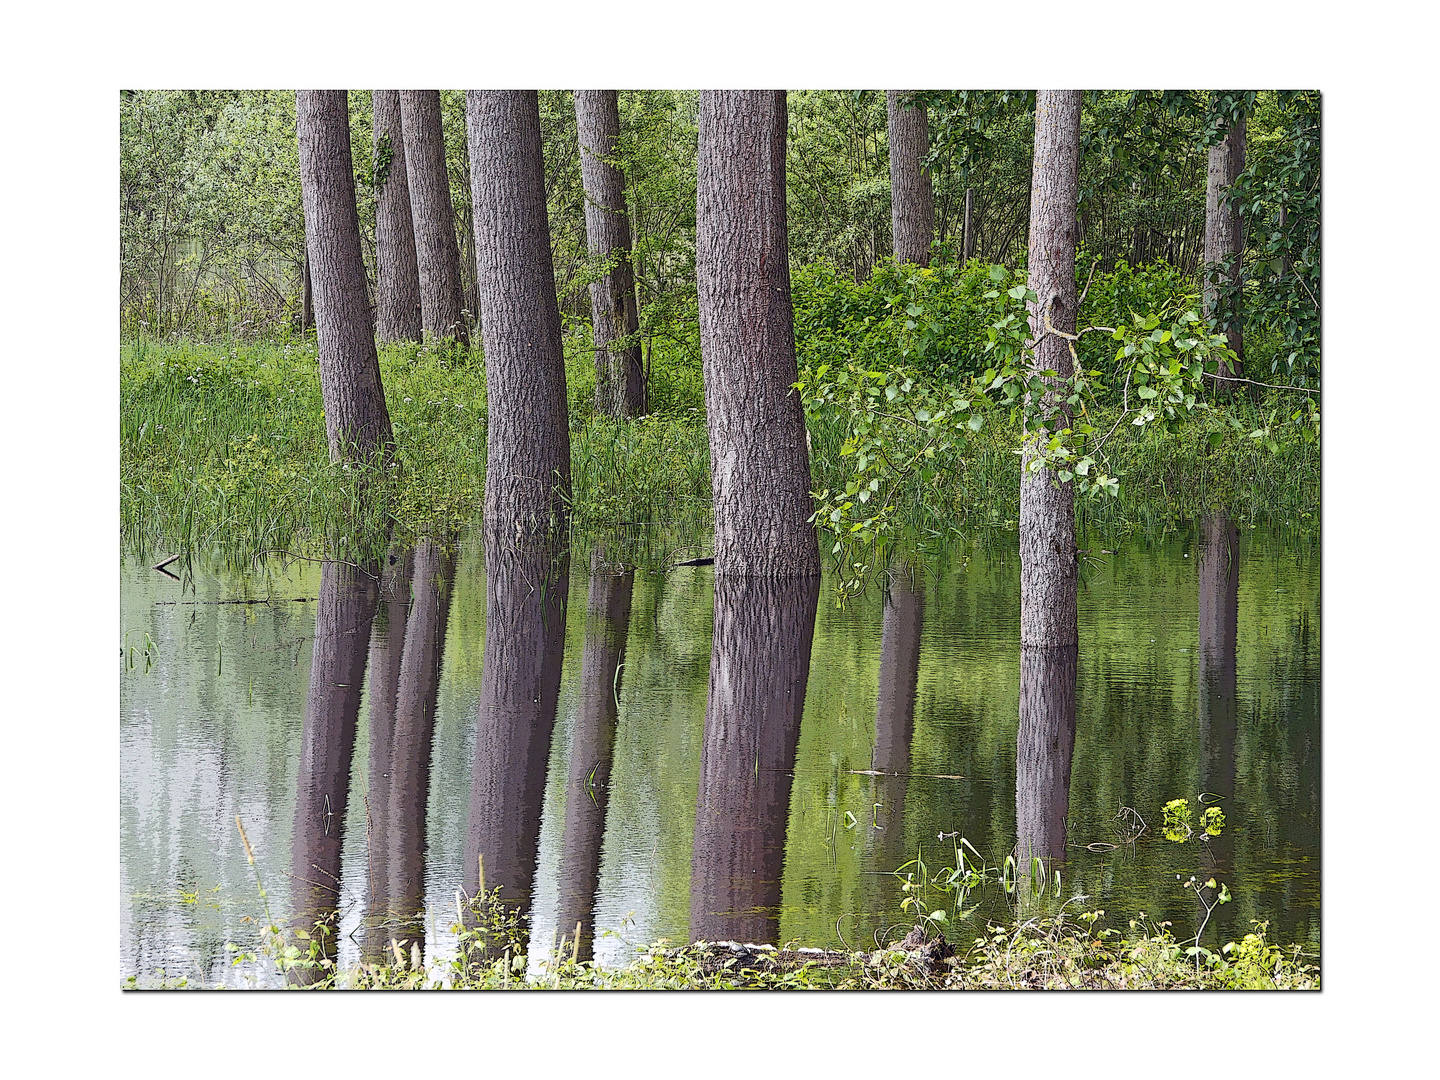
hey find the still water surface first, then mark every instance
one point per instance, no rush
(348, 722)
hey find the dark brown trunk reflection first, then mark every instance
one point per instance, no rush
(1043, 751)
(1219, 619)
(348, 597)
(759, 665)
(415, 698)
(387, 643)
(587, 791)
(524, 645)
(895, 710)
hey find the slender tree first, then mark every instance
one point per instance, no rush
(397, 305)
(1225, 245)
(760, 460)
(912, 201)
(619, 372)
(357, 423)
(436, 248)
(527, 474)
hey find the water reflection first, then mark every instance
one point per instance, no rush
(348, 594)
(1219, 572)
(759, 664)
(900, 625)
(587, 788)
(524, 644)
(1044, 748)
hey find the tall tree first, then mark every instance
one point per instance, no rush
(397, 307)
(1225, 244)
(619, 372)
(1047, 507)
(357, 424)
(527, 474)
(912, 201)
(760, 460)
(436, 248)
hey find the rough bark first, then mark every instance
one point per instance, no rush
(332, 707)
(900, 625)
(619, 372)
(1047, 508)
(760, 463)
(416, 693)
(382, 675)
(912, 199)
(527, 475)
(519, 688)
(1044, 749)
(397, 307)
(436, 249)
(759, 667)
(587, 792)
(1225, 239)
(357, 423)
(1219, 596)
(968, 236)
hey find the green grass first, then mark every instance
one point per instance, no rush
(223, 456)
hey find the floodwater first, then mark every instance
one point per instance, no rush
(655, 755)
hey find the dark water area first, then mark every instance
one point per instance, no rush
(660, 755)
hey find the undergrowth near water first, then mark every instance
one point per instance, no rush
(223, 453)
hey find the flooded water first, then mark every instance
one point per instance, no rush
(655, 755)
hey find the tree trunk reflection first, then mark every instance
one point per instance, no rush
(587, 791)
(1219, 618)
(524, 645)
(348, 596)
(895, 710)
(759, 665)
(1043, 751)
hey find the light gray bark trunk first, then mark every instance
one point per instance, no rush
(759, 461)
(1047, 508)
(397, 307)
(759, 667)
(436, 248)
(1225, 239)
(619, 373)
(357, 423)
(912, 199)
(527, 475)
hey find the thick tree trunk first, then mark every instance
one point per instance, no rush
(527, 475)
(759, 460)
(382, 676)
(436, 248)
(1044, 749)
(356, 420)
(619, 373)
(398, 305)
(415, 698)
(519, 688)
(1225, 239)
(912, 200)
(587, 792)
(759, 667)
(332, 707)
(1047, 508)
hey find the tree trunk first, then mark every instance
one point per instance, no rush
(1225, 240)
(436, 249)
(356, 420)
(398, 305)
(1047, 508)
(912, 200)
(587, 793)
(332, 707)
(967, 247)
(307, 297)
(759, 460)
(519, 688)
(527, 475)
(759, 667)
(619, 374)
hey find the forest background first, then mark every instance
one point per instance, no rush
(1373, 74)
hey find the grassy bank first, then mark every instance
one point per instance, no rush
(223, 451)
